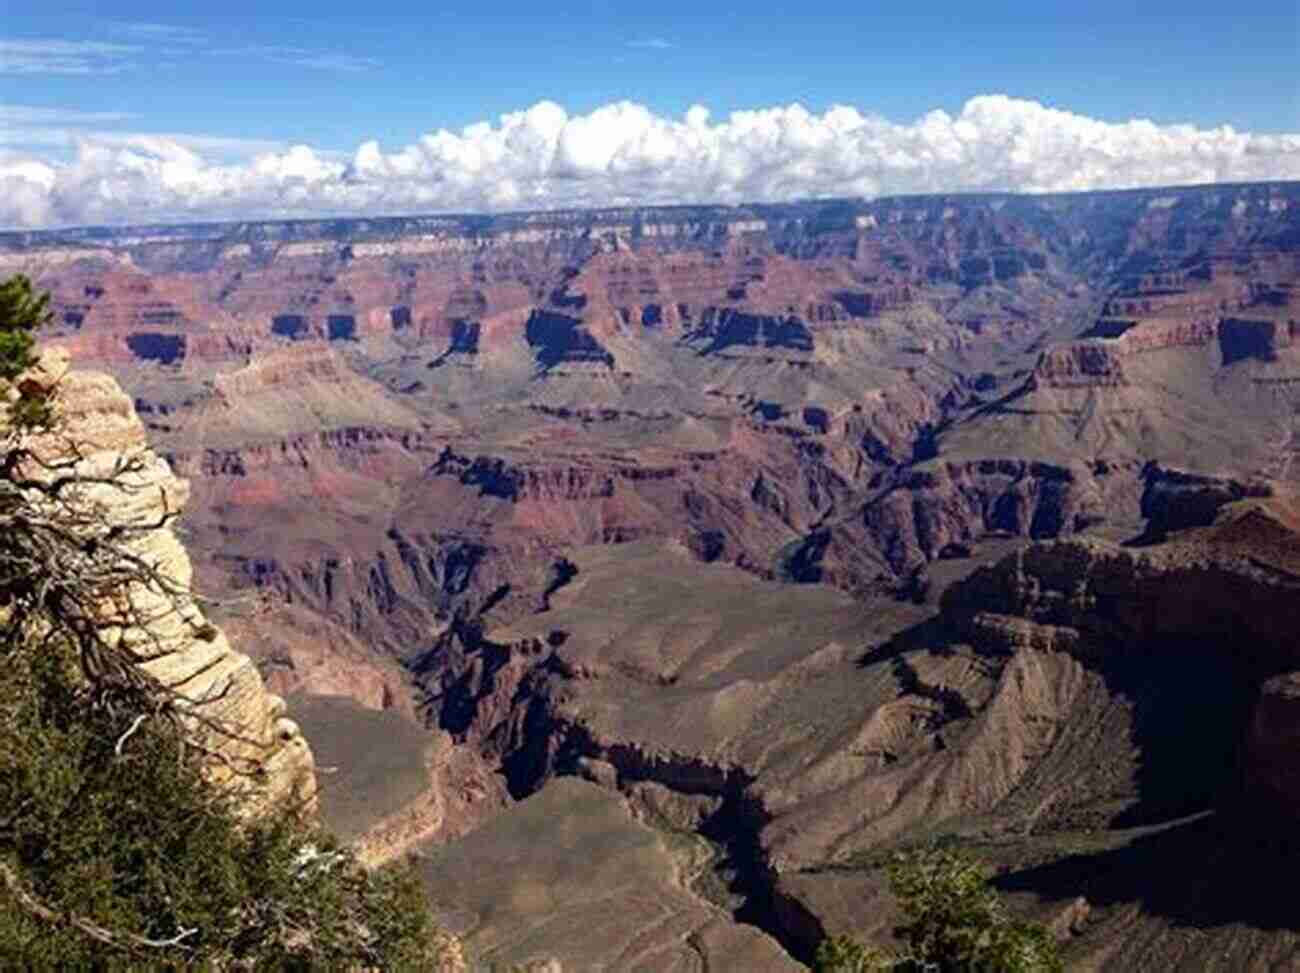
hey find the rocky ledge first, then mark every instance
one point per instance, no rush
(1226, 589)
(98, 424)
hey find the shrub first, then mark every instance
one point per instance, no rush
(843, 954)
(113, 852)
(22, 313)
(951, 922)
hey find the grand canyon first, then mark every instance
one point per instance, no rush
(653, 573)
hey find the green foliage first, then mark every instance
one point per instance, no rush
(843, 954)
(946, 906)
(22, 313)
(951, 922)
(137, 842)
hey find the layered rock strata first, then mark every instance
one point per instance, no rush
(261, 750)
(1072, 694)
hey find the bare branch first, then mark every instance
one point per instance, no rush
(135, 725)
(117, 939)
(72, 566)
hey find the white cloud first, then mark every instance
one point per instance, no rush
(212, 147)
(652, 44)
(147, 42)
(170, 33)
(27, 129)
(34, 115)
(624, 153)
(53, 56)
(303, 57)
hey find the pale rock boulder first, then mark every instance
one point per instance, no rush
(98, 424)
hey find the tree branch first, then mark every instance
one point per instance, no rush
(128, 941)
(135, 725)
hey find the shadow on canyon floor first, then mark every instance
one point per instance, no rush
(1203, 872)
(1190, 707)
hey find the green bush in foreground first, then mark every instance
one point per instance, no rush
(951, 922)
(116, 859)
(22, 313)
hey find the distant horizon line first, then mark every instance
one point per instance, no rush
(14, 234)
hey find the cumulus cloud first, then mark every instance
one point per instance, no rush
(624, 153)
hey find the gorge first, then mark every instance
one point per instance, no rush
(683, 562)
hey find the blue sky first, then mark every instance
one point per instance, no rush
(325, 72)
(250, 77)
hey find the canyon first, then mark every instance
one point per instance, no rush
(653, 573)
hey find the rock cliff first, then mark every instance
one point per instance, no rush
(1072, 702)
(265, 754)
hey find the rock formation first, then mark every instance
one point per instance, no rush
(265, 754)
(1071, 687)
(798, 531)
(839, 391)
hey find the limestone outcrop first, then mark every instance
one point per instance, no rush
(1111, 597)
(263, 749)
(1174, 500)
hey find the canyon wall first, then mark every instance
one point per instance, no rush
(433, 409)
